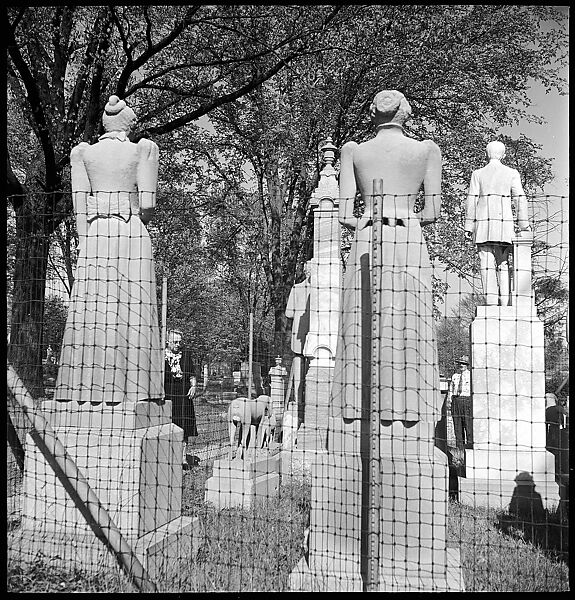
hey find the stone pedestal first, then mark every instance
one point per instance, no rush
(325, 266)
(289, 427)
(312, 434)
(277, 392)
(508, 386)
(413, 514)
(240, 483)
(131, 457)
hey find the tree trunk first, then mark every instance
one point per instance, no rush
(28, 293)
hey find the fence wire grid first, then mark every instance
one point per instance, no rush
(180, 420)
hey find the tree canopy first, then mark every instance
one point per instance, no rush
(273, 81)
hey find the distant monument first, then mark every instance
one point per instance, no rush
(379, 494)
(251, 469)
(324, 305)
(278, 375)
(489, 220)
(298, 309)
(108, 406)
(507, 349)
(317, 302)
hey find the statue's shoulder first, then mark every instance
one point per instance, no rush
(77, 152)
(431, 147)
(348, 148)
(511, 170)
(147, 148)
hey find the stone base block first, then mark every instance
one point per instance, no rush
(227, 492)
(297, 462)
(493, 475)
(303, 579)
(492, 461)
(403, 578)
(498, 493)
(136, 474)
(410, 577)
(102, 416)
(413, 512)
(239, 482)
(163, 552)
(262, 463)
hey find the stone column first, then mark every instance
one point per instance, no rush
(508, 388)
(277, 385)
(131, 455)
(321, 340)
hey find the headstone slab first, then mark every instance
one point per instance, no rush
(240, 483)
(138, 479)
(103, 416)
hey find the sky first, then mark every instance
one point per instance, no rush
(554, 135)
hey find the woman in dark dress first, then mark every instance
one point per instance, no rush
(179, 385)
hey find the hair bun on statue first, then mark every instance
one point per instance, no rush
(114, 106)
(387, 102)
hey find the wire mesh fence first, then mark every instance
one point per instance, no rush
(399, 431)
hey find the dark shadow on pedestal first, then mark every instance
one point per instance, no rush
(455, 460)
(527, 519)
(365, 410)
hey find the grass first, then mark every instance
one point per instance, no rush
(497, 556)
(256, 549)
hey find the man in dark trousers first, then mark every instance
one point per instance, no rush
(179, 386)
(461, 404)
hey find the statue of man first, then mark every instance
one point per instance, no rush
(298, 309)
(489, 220)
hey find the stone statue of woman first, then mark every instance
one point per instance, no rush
(407, 369)
(111, 350)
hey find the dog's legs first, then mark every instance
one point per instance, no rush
(232, 430)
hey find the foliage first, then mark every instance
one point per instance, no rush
(275, 81)
(174, 64)
(453, 335)
(465, 71)
(452, 338)
(55, 313)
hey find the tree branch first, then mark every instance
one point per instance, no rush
(38, 114)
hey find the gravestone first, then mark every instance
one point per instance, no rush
(239, 483)
(278, 375)
(323, 288)
(379, 493)
(508, 384)
(297, 309)
(108, 407)
(250, 472)
(289, 427)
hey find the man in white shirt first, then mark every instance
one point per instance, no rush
(462, 404)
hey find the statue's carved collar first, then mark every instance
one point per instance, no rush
(389, 126)
(115, 135)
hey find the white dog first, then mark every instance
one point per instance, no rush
(245, 413)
